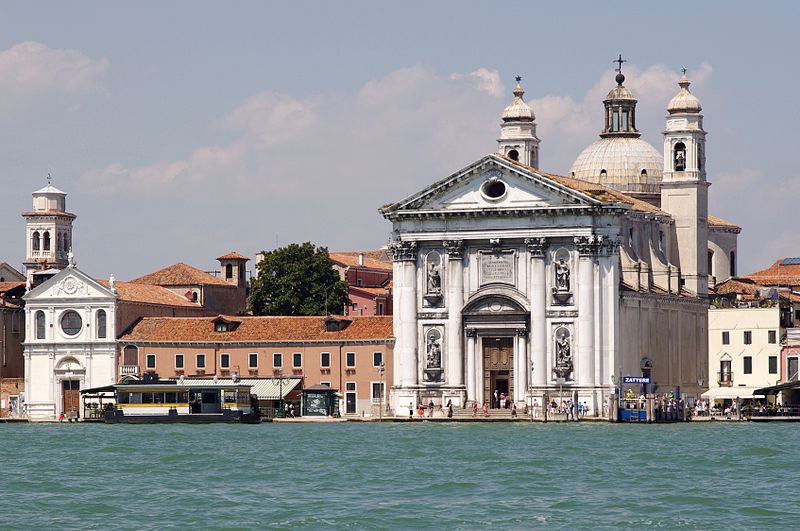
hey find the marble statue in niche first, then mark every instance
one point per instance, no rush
(433, 279)
(563, 364)
(561, 285)
(433, 356)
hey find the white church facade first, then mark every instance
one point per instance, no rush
(511, 280)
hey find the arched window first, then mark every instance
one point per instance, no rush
(194, 296)
(67, 243)
(700, 159)
(513, 154)
(40, 324)
(35, 241)
(644, 174)
(130, 355)
(679, 156)
(59, 242)
(101, 324)
(733, 263)
(46, 241)
(603, 174)
(228, 271)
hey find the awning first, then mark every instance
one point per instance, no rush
(731, 393)
(775, 389)
(263, 388)
(98, 390)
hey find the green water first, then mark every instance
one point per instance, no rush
(389, 476)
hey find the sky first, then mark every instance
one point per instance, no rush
(185, 130)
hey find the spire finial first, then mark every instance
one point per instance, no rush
(518, 90)
(684, 70)
(619, 60)
(49, 179)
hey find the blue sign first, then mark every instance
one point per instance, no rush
(636, 379)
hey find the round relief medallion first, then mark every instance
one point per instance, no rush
(70, 286)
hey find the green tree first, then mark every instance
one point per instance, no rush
(297, 280)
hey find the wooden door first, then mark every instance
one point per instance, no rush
(498, 358)
(71, 394)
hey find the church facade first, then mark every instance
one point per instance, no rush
(509, 280)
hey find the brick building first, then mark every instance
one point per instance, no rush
(344, 353)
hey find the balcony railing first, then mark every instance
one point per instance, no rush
(129, 370)
(725, 379)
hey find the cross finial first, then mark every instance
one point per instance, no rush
(518, 78)
(49, 178)
(619, 60)
(684, 69)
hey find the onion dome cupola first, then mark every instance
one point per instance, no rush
(518, 140)
(620, 159)
(684, 137)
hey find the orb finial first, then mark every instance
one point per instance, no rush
(620, 78)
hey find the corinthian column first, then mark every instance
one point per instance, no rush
(587, 249)
(538, 297)
(404, 257)
(455, 301)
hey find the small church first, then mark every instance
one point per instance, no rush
(512, 281)
(72, 321)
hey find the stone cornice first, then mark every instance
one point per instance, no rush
(560, 210)
(272, 344)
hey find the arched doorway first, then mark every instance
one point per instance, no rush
(496, 322)
(69, 376)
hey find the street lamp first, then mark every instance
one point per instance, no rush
(280, 380)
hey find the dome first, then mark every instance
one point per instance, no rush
(684, 101)
(626, 164)
(518, 110)
(619, 93)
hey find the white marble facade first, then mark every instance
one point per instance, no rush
(70, 342)
(513, 278)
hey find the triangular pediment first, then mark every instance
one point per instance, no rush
(69, 283)
(493, 183)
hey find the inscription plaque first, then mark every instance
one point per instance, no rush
(497, 267)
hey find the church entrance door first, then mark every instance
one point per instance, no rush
(498, 368)
(71, 397)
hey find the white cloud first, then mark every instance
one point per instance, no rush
(30, 73)
(483, 79)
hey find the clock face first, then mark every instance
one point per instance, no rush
(71, 323)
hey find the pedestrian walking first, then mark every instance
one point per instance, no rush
(485, 411)
(449, 409)
(513, 410)
(475, 409)
(430, 408)
(411, 410)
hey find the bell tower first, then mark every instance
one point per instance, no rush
(518, 140)
(48, 229)
(684, 188)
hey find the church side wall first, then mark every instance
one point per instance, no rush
(672, 332)
(129, 312)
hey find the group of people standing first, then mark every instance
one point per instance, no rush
(421, 409)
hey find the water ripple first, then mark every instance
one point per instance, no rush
(389, 476)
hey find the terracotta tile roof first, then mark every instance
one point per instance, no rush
(594, 190)
(378, 259)
(148, 294)
(714, 221)
(255, 329)
(8, 286)
(232, 256)
(181, 274)
(777, 274)
(748, 290)
(371, 291)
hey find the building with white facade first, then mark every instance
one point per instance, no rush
(511, 280)
(744, 350)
